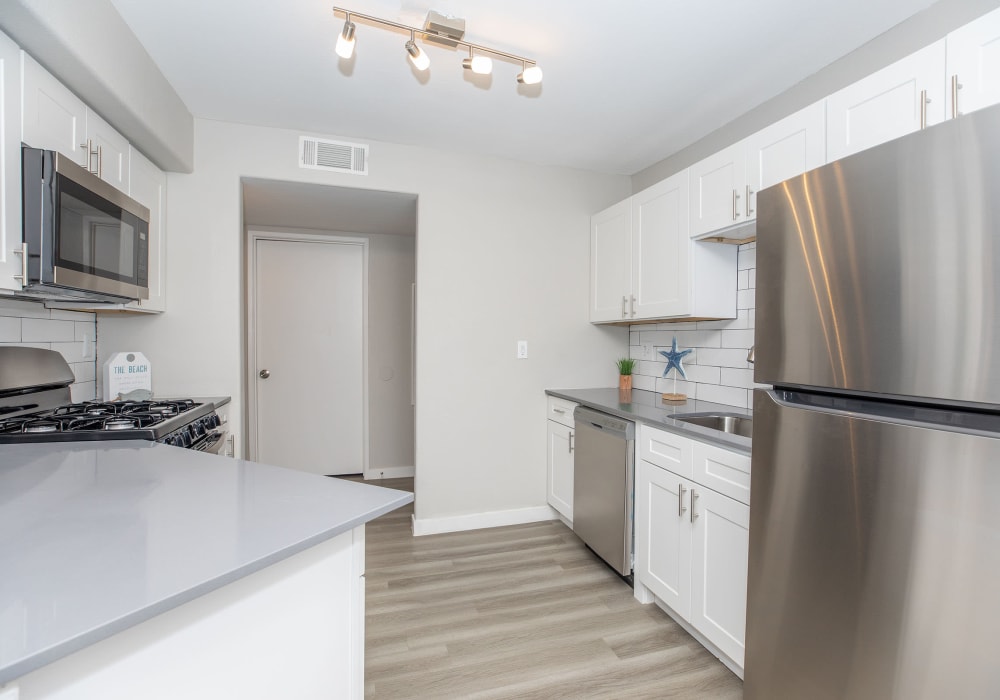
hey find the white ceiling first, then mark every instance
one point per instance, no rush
(626, 83)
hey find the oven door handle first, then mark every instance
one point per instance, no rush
(214, 443)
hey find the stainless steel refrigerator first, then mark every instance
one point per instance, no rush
(875, 514)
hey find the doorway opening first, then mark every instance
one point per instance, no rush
(329, 282)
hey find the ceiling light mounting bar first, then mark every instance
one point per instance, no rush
(405, 27)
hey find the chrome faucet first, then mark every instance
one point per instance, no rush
(750, 355)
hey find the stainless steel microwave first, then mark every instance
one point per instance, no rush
(84, 239)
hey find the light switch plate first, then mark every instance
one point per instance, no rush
(522, 349)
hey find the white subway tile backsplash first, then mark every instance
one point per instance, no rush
(695, 339)
(747, 259)
(742, 338)
(645, 382)
(731, 396)
(84, 371)
(723, 357)
(703, 374)
(743, 279)
(46, 329)
(745, 299)
(10, 329)
(752, 273)
(83, 391)
(742, 378)
(71, 333)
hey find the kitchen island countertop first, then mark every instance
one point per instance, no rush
(649, 408)
(96, 537)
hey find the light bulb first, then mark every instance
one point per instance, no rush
(482, 65)
(418, 57)
(530, 76)
(345, 41)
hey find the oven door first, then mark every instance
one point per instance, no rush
(213, 443)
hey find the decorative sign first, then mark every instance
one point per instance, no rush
(124, 372)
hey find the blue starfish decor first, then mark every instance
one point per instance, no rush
(674, 357)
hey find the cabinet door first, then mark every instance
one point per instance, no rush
(783, 150)
(663, 535)
(611, 263)
(10, 167)
(148, 186)
(560, 477)
(52, 116)
(974, 65)
(895, 101)
(112, 160)
(718, 186)
(720, 540)
(661, 265)
(665, 449)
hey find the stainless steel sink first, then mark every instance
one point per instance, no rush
(726, 423)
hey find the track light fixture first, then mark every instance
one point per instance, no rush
(345, 41)
(481, 65)
(445, 30)
(417, 56)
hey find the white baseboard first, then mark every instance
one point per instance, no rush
(389, 473)
(478, 521)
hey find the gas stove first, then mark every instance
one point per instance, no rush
(35, 406)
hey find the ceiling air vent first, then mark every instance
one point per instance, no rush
(336, 156)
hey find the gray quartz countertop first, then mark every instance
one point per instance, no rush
(649, 408)
(96, 537)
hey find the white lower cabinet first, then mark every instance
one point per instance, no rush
(560, 437)
(692, 542)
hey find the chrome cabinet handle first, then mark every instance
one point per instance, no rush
(571, 446)
(694, 497)
(923, 109)
(23, 252)
(633, 305)
(735, 210)
(265, 373)
(955, 87)
(100, 161)
(559, 410)
(624, 302)
(746, 202)
(89, 147)
(680, 500)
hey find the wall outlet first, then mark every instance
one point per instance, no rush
(522, 349)
(647, 351)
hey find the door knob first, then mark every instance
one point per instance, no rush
(265, 373)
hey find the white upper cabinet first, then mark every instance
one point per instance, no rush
(52, 116)
(897, 100)
(783, 150)
(724, 186)
(109, 152)
(11, 261)
(611, 263)
(644, 266)
(718, 190)
(974, 65)
(55, 119)
(148, 186)
(661, 284)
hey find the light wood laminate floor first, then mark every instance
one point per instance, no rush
(517, 612)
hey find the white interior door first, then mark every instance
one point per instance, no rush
(308, 341)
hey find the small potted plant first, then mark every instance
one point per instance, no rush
(625, 367)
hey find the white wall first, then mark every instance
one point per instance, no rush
(502, 255)
(72, 333)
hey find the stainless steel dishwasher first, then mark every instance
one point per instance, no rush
(604, 468)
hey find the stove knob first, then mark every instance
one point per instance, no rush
(168, 440)
(183, 438)
(214, 421)
(198, 428)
